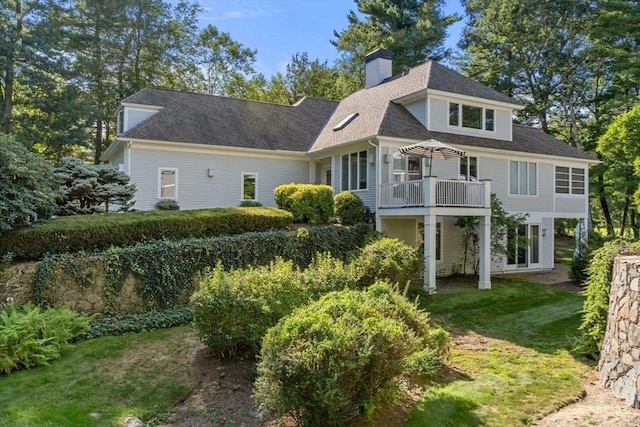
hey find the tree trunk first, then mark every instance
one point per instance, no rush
(605, 206)
(634, 224)
(625, 211)
(9, 72)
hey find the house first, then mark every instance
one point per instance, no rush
(207, 151)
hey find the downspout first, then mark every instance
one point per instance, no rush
(128, 145)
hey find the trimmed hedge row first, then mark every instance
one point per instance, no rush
(166, 270)
(91, 232)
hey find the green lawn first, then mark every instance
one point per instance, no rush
(511, 364)
(102, 381)
(512, 361)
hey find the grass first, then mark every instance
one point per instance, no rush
(102, 381)
(512, 362)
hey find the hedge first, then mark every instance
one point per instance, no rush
(166, 269)
(348, 207)
(93, 232)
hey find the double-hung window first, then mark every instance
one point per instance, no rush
(354, 171)
(523, 178)
(168, 183)
(469, 168)
(570, 180)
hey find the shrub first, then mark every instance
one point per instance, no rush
(233, 310)
(91, 232)
(167, 205)
(331, 362)
(118, 325)
(307, 202)
(166, 270)
(598, 287)
(578, 268)
(388, 259)
(31, 336)
(250, 204)
(349, 208)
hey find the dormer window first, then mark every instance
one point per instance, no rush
(471, 117)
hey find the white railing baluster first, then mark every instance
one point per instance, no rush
(447, 193)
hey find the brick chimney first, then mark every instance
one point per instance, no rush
(377, 67)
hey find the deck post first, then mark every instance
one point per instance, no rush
(484, 279)
(430, 252)
(487, 192)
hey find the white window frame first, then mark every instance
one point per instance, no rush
(571, 187)
(483, 119)
(468, 172)
(160, 170)
(528, 179)
(242, 175)
(120, 122)
(358, 171)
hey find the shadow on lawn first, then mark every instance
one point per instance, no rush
(438, 405)
(528, 314)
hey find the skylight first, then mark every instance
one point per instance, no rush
(344, 122)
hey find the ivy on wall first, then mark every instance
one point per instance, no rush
(166, 270)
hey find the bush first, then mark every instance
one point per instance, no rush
(349, 208)
(233, 310)
(31, 336)
(250, 204)
(167, 205)
(118, 325)
(91, 232)
(335, 360)
(307, 202)
(598, 286)
(390, 260)
(578, 268)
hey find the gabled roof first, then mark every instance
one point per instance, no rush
(216, 120)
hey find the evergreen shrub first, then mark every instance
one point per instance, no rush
(233, 310)
(309, 203)
(390, 260)
(337, 359)
(100, 231)
(31, 336)
(349, 208)
(134, 323)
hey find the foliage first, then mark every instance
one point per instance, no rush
(307, 202)
(413, 30)
(331, 362)
(28, 188)
(389, 260)
(250, 204)
(89, 189)
(135, 323)
(598, 287)
(31, 336)
(578, 269)
(166, 271)
(167, 205)
(234, 310)
(502, 224)
(348, 207)
(91, 232)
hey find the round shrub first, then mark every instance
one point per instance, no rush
(388, 259)
(334, 361)
(307, 202)
(348, 208)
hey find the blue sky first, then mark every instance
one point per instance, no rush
(280, 28)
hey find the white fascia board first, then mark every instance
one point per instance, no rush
(412, 97)
(111, 150)
(474, 99)
(217, 149)
(340, 148)
(142, 106)
(523, 154)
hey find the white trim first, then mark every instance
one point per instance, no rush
(570, 194)
(450, 95)
(255, 190)
(217, 149)
(160, 169)
(483, 122)
(509, 193)
(358, 173)
(142, 106)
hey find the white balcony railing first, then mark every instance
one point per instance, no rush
(429, 192)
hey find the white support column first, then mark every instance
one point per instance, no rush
(484, 279)
(430, 253)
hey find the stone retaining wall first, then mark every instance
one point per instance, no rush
(620, 356)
